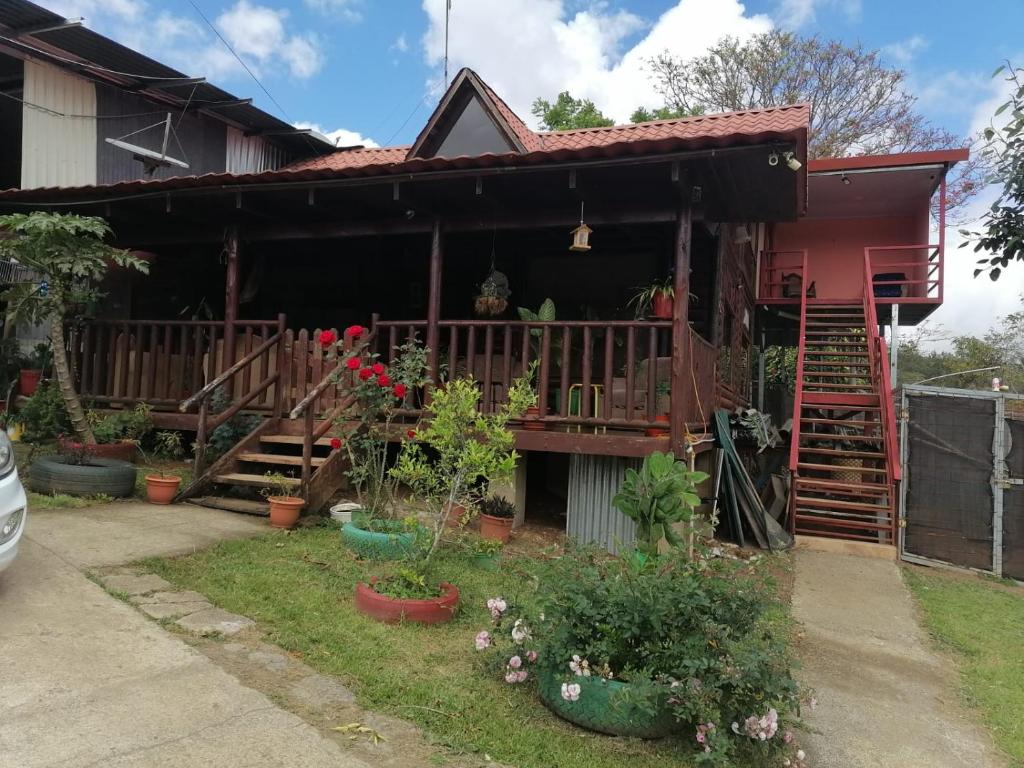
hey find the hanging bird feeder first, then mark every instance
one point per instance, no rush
(581, 235)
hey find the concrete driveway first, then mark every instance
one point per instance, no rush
(86, 681)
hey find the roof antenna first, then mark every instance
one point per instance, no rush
(447, 14)
(150, 159)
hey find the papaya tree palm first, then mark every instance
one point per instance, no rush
(69, 257)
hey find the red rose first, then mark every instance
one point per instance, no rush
(412, 434)
(384, 380)
(327, 338)
(352, 363)
(366, 374)
(378, 368)
(399, 391)
(354, 331)
(335, 443)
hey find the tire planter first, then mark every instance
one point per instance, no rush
(377, 545)
(392, 610)
(28, 380)
(496, 528)
(122, 450)
(602, 708)
(285, 510)
(161, 490)
(51, 474)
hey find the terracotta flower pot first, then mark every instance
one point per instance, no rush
(456, 516)
(161, 490)
(284, 510)
(392, 610)
(658, 431)
(662, 306)
(531, 420)
(28, 380)
(495, 528)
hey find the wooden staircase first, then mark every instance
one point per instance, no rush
(843, 455)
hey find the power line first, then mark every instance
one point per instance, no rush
(240, 61)
(71, 115)
(406, 121)
(90, 65)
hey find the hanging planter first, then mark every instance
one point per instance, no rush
(494, 294)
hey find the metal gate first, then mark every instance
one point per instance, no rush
(962, 496)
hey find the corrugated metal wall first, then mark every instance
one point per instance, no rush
(593, 481)
(203, 140)
(251, 154)
(58, 150)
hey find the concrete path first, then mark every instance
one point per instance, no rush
(885, 700)
(87, 681)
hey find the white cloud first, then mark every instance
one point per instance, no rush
(530, 48)
(794, 14)
(259, 35)
(347, 10)
(98, 10)
(904, 51)
(341, 137)
(401, 44)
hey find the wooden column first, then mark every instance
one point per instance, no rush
(682, 382)
(230, 294)
(434, 301)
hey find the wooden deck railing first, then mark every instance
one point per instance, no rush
(590, 374)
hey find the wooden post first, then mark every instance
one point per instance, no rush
(230, 295)
(682, 393)
(281, 364)
(434, 303)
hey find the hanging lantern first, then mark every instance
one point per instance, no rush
(581, 235)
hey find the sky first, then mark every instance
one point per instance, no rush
(371, 71)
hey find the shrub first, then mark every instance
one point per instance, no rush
(44, 415)
(134, 425)
(227, 435)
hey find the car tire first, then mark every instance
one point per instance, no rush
(108, 477)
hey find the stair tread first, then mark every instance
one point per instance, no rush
(839, 484)
(840, 468)
(826, 436)
(244, 506)
(243, 478)
(832, 375)
(324, 442)
(280, 458)
(842, 452)
(840, 422)
(839, 504)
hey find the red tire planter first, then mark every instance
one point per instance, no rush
(123, 450)
(496, 528)
(28, 380)
(392, 610)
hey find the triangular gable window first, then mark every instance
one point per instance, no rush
(473, 133)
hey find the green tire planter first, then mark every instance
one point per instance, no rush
(378, 545)
(487, 562)
(601, 707)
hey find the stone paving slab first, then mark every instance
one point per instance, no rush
(161, 611)
(135, 585)
(214, 621)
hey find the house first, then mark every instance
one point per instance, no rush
(750, 236)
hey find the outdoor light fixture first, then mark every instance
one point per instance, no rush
(846, 179)
(792, 162)
(773, 159)
(581, 235)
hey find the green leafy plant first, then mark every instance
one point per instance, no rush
(69, 252)
(227, 435)
(407, 584)
(498, 506)
(641, 301)
(44, 415)
(484, 547)
(544, 314)
(760, 427)
(167, 444)
(40, 358)
(458, 449)
(10, 364)
(133, 424)
(661, 494)
(277, 485)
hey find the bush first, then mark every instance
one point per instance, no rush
(44, 415)
(133, 425)
(692, 634)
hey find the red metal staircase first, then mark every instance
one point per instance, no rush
(843, 455)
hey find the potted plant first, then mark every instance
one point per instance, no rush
(656, 299)
(75, 471)
(486, 553)
(376, 531)
(32, 367)
(496, 517)
(493, 297)
(163, 487)
(662, 404)
(284, 508)
(459, 448)
(662, 494)
(119, 434)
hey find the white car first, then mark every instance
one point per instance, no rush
(13, 505)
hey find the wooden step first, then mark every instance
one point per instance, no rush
(842, 452)
(841, 332)
(821, 482)
(836, 316)
(244, 506)
(838, 504)
(280, 459)
(256, 481)
(838, 468)
(827, 436)
(324, 442)
(841, 407)
(825, 386)
(839, 355)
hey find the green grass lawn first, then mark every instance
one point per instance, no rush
(982, 624)
(298, 587)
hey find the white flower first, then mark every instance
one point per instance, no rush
(800, 755)
(497, 606)
(571, 691)
(520, 631)
(515, 662)
(579, 667)
(483, 640)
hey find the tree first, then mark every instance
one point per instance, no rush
(1003, 223)
(859, 104)
(568, 113)
(69, 255)
(645, 115)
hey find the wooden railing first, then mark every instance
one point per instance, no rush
(238, 378)
(593, 374)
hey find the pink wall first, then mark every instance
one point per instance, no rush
(835, 249)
